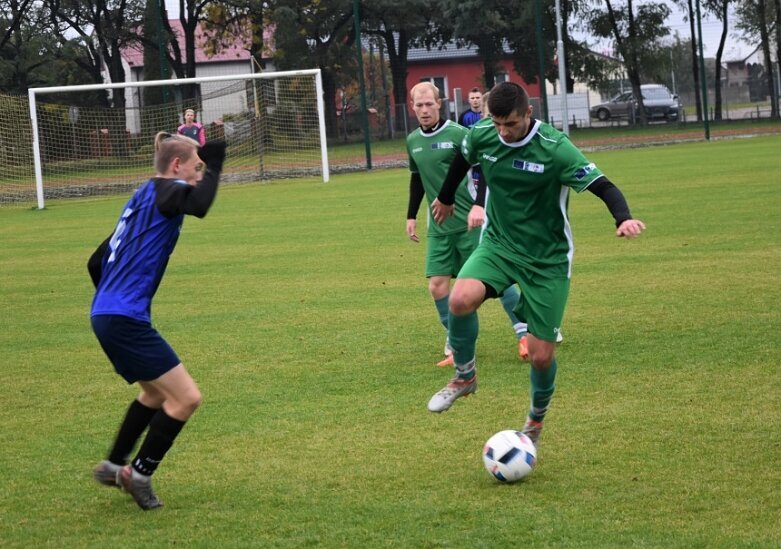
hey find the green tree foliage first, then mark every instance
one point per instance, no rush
(313, 34)
(484, 24)
(403, 24)
(32, 55)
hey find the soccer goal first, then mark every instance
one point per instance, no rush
(273, 123)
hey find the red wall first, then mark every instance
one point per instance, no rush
(464, 74)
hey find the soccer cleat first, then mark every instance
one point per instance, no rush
(447, 361)
(523, 349)
(455, 388)
(533, 430)
(107, 473)
(140, 489)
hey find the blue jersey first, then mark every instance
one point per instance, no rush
(469, 118)
(137, 255)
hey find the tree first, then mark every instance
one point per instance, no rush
(104, 26)
(636, 35)
(753, 19)
(243, 20)
(721, 9)
(34, 54)
(482, 23)
(191, 13)
(310, 32)
(402, 24)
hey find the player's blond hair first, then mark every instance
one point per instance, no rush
(420, 86)
(172, 145)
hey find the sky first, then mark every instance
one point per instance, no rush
(711, 31)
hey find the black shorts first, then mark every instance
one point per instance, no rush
(137, 351)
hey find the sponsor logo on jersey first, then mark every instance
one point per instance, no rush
(528, 166)
(584, 171)
(489, 157)
(439, 146)
(417, 149)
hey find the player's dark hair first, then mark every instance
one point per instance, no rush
(506, 98)
(475, 90)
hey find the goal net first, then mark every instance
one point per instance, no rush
(273, 124)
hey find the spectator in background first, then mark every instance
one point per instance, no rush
(191, 128)
(469, 118)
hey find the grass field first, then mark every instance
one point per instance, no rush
(301, 310)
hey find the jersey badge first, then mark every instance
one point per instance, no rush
(580, 173)
(528, 166)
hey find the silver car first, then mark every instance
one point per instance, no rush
(659, 104)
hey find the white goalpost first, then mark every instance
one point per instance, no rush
(272, 122)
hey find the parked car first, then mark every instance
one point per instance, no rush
(658, 101)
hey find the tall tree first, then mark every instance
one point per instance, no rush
(238, 20)
(753, 19)
(401, 24)
(310, 32)
(691, 17)
(482, 23)
(636, 35)
(720, 8)
(106, 26)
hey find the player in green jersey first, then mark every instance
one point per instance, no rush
(431, 148)
(530, 168)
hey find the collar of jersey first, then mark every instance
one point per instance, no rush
(525, 140)
(435, 130)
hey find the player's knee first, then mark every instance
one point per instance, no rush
(461, 303)
(541, 358)
(190, 401)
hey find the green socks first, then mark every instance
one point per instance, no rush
(542, 387)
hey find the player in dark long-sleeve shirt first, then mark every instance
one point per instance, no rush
(126, 270)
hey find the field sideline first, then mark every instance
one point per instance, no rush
(301, 310)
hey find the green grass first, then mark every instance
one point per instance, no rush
(301, 310)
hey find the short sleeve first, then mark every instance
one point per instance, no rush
(577, 172)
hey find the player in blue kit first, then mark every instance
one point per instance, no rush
(126, 270)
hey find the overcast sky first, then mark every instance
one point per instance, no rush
(711, 31)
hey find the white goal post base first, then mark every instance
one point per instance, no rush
(273, 123)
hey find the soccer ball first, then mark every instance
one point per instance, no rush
(509, 456)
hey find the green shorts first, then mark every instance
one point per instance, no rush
(446, 254)
(543, 299)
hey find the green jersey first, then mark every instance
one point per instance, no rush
(529, 184)
(430, 155)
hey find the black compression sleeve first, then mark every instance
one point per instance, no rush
(480, 186)
(458, 169)
(416, 194)
(95, 262)
(177, 198)
(612, 197)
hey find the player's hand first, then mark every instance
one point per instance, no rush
(213, 154)
(630, 228)
(476, 217)
(411, 230)
(441, 211)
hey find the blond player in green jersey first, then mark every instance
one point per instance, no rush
(431, 149)
(530, 168)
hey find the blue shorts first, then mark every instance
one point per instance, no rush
(137, 351)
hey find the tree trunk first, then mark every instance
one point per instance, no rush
(397, 58)
(695, 64)
(777, 5)
(764, 33)
(719, 53)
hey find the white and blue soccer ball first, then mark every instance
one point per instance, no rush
(509, 456)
